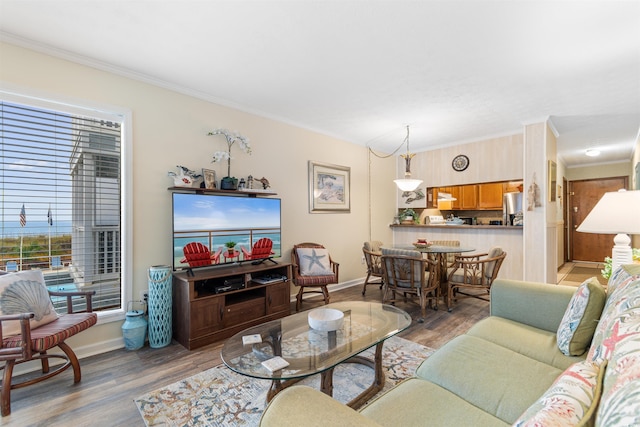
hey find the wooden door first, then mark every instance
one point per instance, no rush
(583, 196)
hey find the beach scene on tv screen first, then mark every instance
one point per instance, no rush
(204, 226)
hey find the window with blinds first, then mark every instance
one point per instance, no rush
(60, 207)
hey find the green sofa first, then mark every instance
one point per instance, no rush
(508, 366)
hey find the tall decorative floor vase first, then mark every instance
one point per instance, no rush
(159, 306)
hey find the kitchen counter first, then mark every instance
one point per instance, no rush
(480, 237)
(463, 226)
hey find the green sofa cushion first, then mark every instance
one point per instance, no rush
(581, 318)
(493, 378)
(532, 342)
(304, 406)
(540, 305)
(416, 402)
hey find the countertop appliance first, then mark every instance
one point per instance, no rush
(434, 219)
(512, 209)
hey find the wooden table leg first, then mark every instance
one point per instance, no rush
(326, 379)
(326, 382)
(378, 379)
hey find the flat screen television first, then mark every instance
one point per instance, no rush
(214, 229)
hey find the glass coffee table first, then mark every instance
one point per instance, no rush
(308, 351)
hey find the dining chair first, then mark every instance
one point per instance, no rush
(473, 275)
(408, 275)
(313, 269)
(373, 257)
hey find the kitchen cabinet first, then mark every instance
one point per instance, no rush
(468, 196)
(456, 194)
(490, 195)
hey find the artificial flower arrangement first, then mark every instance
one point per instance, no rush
(229, 182)
(606, 272)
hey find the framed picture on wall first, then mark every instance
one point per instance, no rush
(209, 178)
(329, 188)
(552, 180)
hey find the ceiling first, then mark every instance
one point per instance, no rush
(455, 71)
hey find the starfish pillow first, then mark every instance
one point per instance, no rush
(314, 262)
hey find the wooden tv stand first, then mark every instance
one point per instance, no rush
(205, 310)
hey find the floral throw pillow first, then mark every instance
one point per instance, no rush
(570, 401)
(25, 292)
(581, 318)
(314, 262)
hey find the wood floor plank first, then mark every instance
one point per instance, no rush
(111, 381)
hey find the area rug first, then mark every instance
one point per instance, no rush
(580, 274)
(220, 397)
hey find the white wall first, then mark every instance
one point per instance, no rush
(170, 128)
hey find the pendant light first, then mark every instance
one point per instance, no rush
(407, 184)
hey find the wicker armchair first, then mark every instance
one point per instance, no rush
(408, 274)
(317, 281)
(33, 341)
(373, 256)
(473, 275)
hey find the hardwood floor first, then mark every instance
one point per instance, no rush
(112, 380)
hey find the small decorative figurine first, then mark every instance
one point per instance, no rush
(250, 182)
(265, 182)
(185, 177)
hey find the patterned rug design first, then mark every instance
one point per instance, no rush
(221, 397)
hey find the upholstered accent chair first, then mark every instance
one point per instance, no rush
(30, 327)
(473, 275)
(373, 257)
(313, 269)
(408, 275)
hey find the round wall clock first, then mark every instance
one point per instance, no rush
(460, 162)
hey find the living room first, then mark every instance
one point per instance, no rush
(169, 124)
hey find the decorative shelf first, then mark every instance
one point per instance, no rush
(248, 193)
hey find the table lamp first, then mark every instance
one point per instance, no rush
(617, 212)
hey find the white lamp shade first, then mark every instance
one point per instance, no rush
(407, 184)
(615, 213)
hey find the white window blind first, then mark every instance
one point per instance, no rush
(60, 210)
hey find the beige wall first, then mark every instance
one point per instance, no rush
(170, 128)
(502, 154)
(600, 171)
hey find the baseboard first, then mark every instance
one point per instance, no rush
(335, 287)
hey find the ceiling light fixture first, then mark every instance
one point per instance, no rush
(407, 184)
(592, 152)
